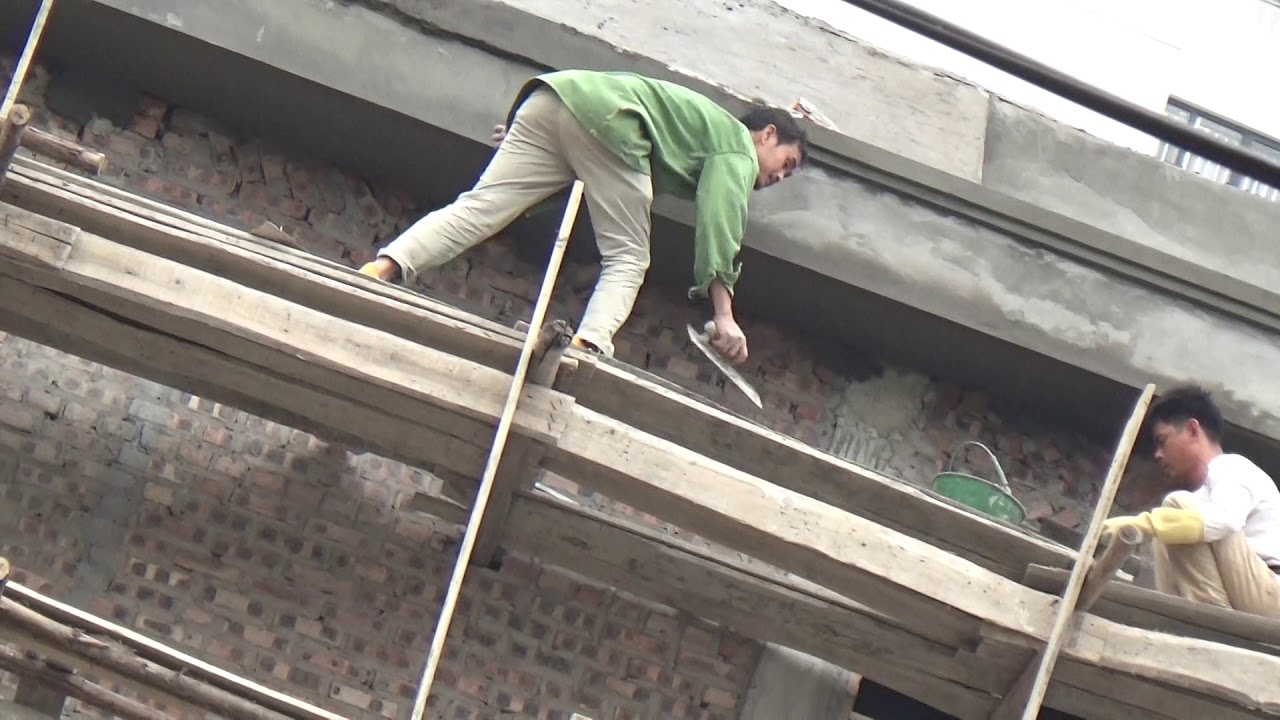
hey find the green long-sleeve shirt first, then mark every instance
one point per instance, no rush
(691, 148)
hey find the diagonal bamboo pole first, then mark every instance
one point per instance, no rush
(1033, 683)
(24, 62)
(495, 452)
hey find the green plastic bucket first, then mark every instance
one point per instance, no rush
(994, 499)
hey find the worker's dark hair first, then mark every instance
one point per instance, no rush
(789, 131)
(1187, 402)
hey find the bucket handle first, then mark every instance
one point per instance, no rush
(1004, 483)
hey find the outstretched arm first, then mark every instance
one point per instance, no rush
(724, 187)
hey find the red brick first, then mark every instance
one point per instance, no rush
(719, 698)
(262, 198)
(19, 417)
(168, 192)
(178, 146)
(146, 127)
(810, 412)
(204, 178)
(152, 108)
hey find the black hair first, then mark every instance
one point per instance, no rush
(1188, 402)
(789, 131)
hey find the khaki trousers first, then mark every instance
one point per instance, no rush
(544, 150)
(1226, 572)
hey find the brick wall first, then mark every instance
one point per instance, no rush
(253, 546)
(247, 544)
(250, 544)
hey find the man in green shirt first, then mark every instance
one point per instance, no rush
(628, 138)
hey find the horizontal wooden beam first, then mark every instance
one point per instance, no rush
(60, 618)
(644, 402)
(947, 599)
(769, 605)
(82, 652)
(1142, 607)
(92, 333)
(30, 666)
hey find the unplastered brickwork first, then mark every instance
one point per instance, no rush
(252, 546)
(255, 546)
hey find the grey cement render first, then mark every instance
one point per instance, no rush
(825, 221)
(763, 50)
(997, 284)
(1137, 197)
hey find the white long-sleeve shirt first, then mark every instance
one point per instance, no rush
(1238, 495)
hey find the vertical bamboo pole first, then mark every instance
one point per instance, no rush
(495, 453)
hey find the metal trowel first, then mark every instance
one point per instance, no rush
(703, 341)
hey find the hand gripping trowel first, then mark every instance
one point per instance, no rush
(703, 341)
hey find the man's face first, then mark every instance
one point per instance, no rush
(777, 161)
(1177, 451)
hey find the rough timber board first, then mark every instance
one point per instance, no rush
(52, 319)
(1141, 607)
(259, 327)
(643, 403)
(861, 560)
(738, 594)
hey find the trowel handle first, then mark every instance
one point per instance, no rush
(710, 329)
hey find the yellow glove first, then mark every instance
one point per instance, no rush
(1171, 526)
(370, 269)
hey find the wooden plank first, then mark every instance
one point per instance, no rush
(759, 601)
(69, 641)
(76, 328)
(772, 606)
(646, 404)
(64, 682)
(789, 463)
(877, 566)
(1168, 665)
(207, 309)
(163, 655)
(1143, 695)
(1091, 706)
(1171, 702)
(440, 507)
(61, 149)
(859, 559)
(36, 240)
(1104, 569)
(163, 230)
(1155, 610)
